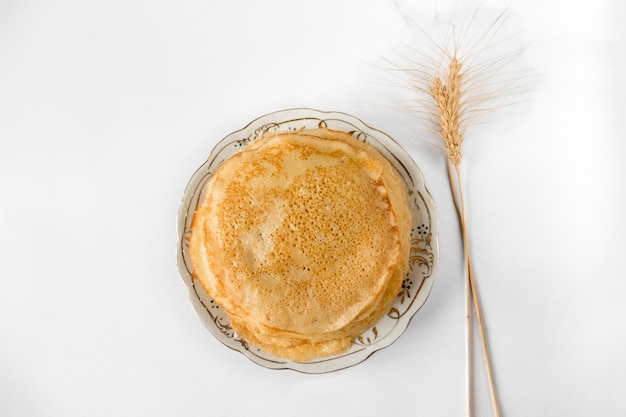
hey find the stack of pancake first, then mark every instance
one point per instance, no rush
(303, 239)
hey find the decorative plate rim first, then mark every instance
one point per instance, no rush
(424, 239)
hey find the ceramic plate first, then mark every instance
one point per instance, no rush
(424, 254)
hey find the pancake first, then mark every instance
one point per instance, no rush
(303, 239)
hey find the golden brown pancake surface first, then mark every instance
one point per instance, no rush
(302, 238)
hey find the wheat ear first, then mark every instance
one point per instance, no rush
(455, 79)
(446, 90)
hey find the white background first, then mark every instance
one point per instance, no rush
(108, 107)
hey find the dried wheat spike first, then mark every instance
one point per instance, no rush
(447, 98)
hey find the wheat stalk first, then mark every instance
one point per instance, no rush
(454, 88)
(446, 91)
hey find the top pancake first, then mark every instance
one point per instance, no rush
(302, 238)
